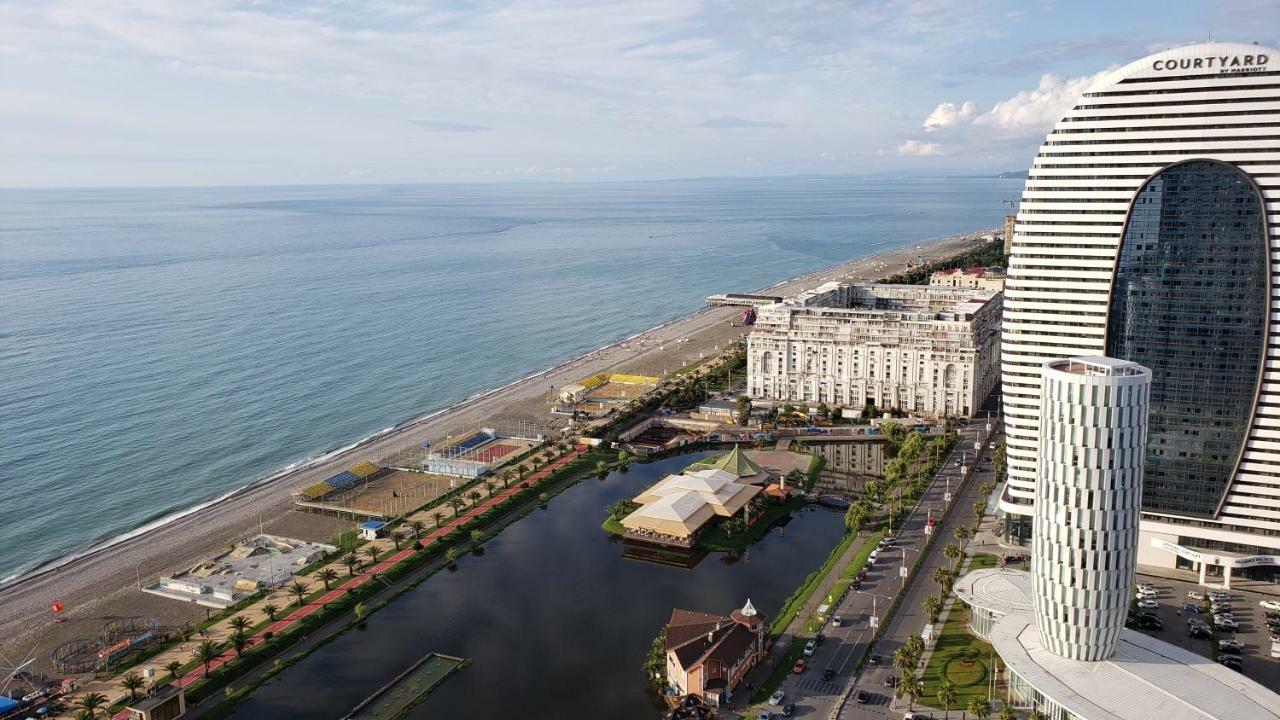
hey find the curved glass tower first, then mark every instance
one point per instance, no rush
(1190, 302)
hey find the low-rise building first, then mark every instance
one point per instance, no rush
(708, 655)
(926, 349)
(674, 510)
(980, 278)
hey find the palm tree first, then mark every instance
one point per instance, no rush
(932, 607)
(942, 576)
(133, 682)
(439, 516)
(372, 552)
(83, 714)
(299, 590)
(91, 703)
(417, 526)
(457, 504)
(1008, 713)
(351, 561)
(239, 641)
(952, 552)
(397, 537)
(912, 687)
(979, 708)
(915, 645)
(240, 623)
(207, 652)
(490, 486)
(946, 698)
(474, 496)
(506, 478)
(270, 610)
(962, 534)
(905, 660)
(326, 576)
(174, 668)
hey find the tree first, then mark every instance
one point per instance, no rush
(979, 708)
(397, 538)
(299, 590)
(372, 552)
(854, 518)
(474, 496)
(351, 561)
(942, 576)
(622, 456)
(457, 503)
(240, 623)
(477, 536)
(946, 698)
(417, 526)
(361, 611)
(91, 703)
(452, 556)
(962, 534)
(1008, 713)
(439, 516)
(932, 606)
(915, 645)
(979, 511)
(326, 576)
(904, 660)
(912, 687)
(270, 610)
(208, 651)
(602, 468)
(744, 409)
(507, 477)
(239, 641)
(83, 714)
(952, 552)
(174, 668)
(133, 682)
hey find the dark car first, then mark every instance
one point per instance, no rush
(1199, 633)
(891, 681)
(1191, 609)
(789, 709)
(1150, 623)
(820, 638)
(828, 674)
(862, 697)
(873, 660)
(1232, 661)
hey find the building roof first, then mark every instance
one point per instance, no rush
(735, 461)
(719, 404)
(1145, 678)
(998, 590)
(372, 525)
(679, 505)
(695, 637)
(161, 695)
(685, 625)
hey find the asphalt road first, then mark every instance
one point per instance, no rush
(844, 645)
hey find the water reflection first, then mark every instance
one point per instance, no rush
(849, 465)
(556, 619)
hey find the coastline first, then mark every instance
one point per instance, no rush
(89, 579)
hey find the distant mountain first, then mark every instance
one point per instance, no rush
(1013, 175)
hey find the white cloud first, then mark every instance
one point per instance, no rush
(919, 148)
(1034, 112)
(948, 114)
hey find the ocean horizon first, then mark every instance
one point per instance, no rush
(163, 347)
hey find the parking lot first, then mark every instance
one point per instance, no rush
(1253, 633)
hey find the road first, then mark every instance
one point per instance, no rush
(845, 644)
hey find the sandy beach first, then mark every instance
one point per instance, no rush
(102, 583)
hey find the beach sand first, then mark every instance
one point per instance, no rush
(103, 584)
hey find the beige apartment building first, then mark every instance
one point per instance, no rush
(919, 348)
(973, 277)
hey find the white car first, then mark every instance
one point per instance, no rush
(1145, 593)
(776, 697)
(1193, 595)
(810, 647)
(1148, 604)
(871, 559)
(1230, 645)
(1273, 605)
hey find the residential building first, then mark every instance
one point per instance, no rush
(1059, 629)
(918, 348)
(708, 655)
(1144, 234)
(982, 278)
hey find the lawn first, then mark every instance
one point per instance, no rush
(960, 657)
(714, 539)
(982, 561)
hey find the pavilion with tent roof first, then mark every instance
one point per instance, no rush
(735, 461)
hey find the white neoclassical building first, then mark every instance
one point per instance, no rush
(1145, 232)
(918, 348)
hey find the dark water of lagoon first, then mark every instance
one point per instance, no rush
(555, 620)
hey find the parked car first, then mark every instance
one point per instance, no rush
(891, 681)
(828, 674)
(1150, 623)
(837, 621)
(800, 665)
(1199, 633)
(1232, 661)
(871, 559)
(1229, 625)
(810, 648)
(1191, 609)
(764, 715)
(776, 697)
(1273, 605)
(873, 660)
(789, 709)
(1145, 592)
(1152, 604)
(1234, 646)
(888, 541)
(1193, 595)
(862, 697)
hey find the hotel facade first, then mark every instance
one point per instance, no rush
(1148, 232)
(933, 350)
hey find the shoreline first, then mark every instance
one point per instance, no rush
(211, 522)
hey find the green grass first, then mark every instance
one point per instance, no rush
(801, 596)
(780, 672)
(959, 657)
(612, 526)
(982, 561)
(714, 538)
(860, 558)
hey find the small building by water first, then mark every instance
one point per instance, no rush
(709, 655)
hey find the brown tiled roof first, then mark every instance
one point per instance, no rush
(733, 645)
(695, 648)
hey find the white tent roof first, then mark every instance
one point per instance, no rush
(679, 514)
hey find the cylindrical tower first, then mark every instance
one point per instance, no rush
(1093, 429)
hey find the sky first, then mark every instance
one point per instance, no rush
(242, 92)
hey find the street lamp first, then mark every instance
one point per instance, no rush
(902, 572)
(874, 621)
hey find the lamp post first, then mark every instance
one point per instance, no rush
(873, 618)
(902, 572)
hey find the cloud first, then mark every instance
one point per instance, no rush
(918, 148)
(947, 115)
(1034, 112)
(442, 126)
(733, 123)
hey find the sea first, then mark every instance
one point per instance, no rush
(161, 347)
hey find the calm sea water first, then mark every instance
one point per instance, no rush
(159, 347)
